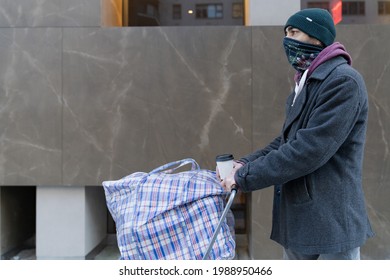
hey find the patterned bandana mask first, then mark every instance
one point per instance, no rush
(300, 55)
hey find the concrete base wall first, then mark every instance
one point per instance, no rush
(71, 221)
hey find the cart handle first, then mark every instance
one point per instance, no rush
(227, 207)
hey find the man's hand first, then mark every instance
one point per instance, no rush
(229, 183)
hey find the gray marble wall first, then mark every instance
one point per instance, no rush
(49, 13)
(83, 104)
(135, 98)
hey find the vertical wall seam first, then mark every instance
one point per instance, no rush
(252, 99)
(62, 105)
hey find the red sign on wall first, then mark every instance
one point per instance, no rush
(337, 11)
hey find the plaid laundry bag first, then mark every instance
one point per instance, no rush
(167, 215)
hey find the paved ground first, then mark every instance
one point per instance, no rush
(110, 251)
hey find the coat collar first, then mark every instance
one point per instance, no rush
(322, 71)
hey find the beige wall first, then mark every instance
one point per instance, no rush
(269, 12)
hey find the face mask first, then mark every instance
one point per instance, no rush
(300, 55)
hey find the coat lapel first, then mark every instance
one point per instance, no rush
(294, 111)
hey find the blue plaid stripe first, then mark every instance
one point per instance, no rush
(169, 216)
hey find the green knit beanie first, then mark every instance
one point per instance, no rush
(317, 23)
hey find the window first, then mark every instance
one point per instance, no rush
(355, 8)
(211, 11)
(151, 10)
(237, 10)
(321, 5)
(383, 8)
(176, 11)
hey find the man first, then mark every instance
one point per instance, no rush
(316, 163)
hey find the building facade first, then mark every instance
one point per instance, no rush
(182, 13)
(246, 12)
(356, 12)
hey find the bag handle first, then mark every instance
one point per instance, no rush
(168, 167)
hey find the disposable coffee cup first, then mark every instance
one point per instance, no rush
(224, 164)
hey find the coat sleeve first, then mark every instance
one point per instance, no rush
(330, 121)
(274, 145)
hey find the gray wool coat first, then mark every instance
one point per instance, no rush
(315, 165)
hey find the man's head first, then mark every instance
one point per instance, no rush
(317, 23)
